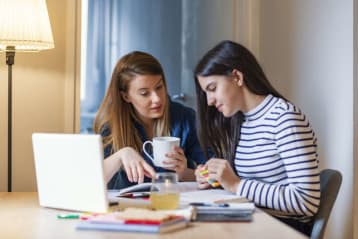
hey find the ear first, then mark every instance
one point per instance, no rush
(125, 97)
(238, 77)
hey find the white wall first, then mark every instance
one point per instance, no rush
(306, 49)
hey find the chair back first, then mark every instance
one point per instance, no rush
(330, 183)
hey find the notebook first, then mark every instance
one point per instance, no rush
(69, 171)
(225, 212)
(135, 220)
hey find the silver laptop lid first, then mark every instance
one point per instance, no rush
(69, 171)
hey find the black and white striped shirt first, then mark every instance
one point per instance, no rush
(276, 160)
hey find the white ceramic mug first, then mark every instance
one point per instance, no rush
(161, 146)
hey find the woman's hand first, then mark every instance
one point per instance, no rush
(134, 165)
(201, 180)
(177, 161)
(221, 170)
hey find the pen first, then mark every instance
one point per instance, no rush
(202, 204)
(136, 195)
(140, 194)
(68, 216)
(111, 204)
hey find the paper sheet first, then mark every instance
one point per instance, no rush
(206, 196)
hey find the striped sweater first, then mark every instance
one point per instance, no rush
(276, 160)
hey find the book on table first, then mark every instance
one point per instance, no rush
(224, 212)
(134, 220)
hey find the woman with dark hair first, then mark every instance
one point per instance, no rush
(137, 108)
(265, 149)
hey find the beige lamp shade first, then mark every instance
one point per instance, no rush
(25, 25)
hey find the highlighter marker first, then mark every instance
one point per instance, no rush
(212, 182)
(68, 216)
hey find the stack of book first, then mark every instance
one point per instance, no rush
(134, 220)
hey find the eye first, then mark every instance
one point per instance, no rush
(143, 93)
(211, 88)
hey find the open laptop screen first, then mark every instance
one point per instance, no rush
(69, 171)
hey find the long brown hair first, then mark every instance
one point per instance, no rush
(215, 131)
(118, 116)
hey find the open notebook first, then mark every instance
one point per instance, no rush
(147, 187)
(189, 193)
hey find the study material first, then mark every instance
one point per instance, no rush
(229, 212)
(189, 212)
(136, 195)
(212, 182)
(68, 216)
(131, 196)
(126, 195)
(217, 205)
(229, 208)
(201, 204)
(237, 217)
(135, 220)
(141, 187)
(146, 187)
(134, 227)
(208, 196)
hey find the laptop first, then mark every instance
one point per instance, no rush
(69, 171)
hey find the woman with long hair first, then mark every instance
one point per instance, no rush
(265, 149)
(137, 108)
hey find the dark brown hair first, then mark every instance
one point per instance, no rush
(215, 131)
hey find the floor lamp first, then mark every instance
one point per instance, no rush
(25, 27)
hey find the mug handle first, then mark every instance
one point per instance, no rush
(144, 144)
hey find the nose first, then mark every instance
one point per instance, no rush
(210, 98)
(155, 97)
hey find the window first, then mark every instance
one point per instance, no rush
(176, 32)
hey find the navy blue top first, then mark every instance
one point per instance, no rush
(182, 125)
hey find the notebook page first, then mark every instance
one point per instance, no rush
(207, 196)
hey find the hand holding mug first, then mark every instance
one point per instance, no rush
(162, 146)
(176, 160)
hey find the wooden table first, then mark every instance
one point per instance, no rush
(22, 217)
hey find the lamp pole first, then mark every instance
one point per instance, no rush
(25, 27)
(10, 57)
